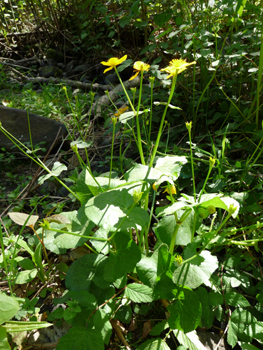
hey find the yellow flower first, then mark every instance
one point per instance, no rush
(172, 188)
(139, 66)
(113, 62)
(154, 187)
(176, 67)
(120, 111)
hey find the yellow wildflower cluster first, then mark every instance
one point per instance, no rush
(175, 67)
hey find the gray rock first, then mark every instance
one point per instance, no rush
(72, 64)
(49, 71)
(42, 129)
(81, 69)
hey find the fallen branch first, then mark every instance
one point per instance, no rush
(105, 100)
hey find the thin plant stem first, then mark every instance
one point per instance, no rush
(162, 121)
(114, 121)
(139, 143)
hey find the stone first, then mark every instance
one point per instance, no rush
(42, 129)
(49, 71)
(82, 68)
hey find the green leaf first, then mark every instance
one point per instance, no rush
(245, 346)
(102, 181)
(101, 322)
(147, 270)
(154, 344)
(3, 339)
(108, 210)
(8, 307)
(162, 18)
(185, 311)
(84, 298)
(236, 299)
(49, 238)
(166, 227)
(80, 225)
(123, 260)
(25, 276)
(83, 271)
(232, 334)
(81, 338)
(215, 298)
(207, 314)
(56, 171)
(189, 340)
(150, 269)
(124, 314)
(159, 327)
(139, 293)
(170, 166)
(20, 326)
(194, 273)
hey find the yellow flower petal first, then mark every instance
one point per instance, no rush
(113, 62)
(139, 66)
(172, 188)
(135, 75)
(176, 67)
(120, 111)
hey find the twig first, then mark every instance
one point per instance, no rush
(119, 334)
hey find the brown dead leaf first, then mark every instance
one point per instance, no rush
(147, 327)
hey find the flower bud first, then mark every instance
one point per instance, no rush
(188, 126)
(137, 196)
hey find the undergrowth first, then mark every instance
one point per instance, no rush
(174, 231)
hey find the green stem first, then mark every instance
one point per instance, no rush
(203, 188)
(139, 143)
(162, 121)
(192, 161)
(114, 121)
(4, 260)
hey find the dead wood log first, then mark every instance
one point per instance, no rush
(105, 101)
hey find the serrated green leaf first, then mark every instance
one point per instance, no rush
(81, 338)
(189, 340)
(139, 293)
(159, 327)
(153, 344)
